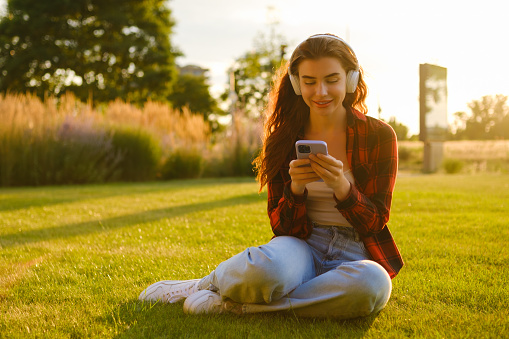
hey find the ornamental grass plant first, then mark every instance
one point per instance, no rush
(64, 141)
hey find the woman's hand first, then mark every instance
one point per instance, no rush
(301, 173)
(331, 171)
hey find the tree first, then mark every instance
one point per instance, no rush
(253, 72)
(489, 119)
(193, 91)
(104, 49)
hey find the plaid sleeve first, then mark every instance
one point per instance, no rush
(385, 252)
(368, 211)
(287, 212)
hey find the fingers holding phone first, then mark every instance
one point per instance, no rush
(309, 149)
(331, 172)
(326, 165)
(301, 171)
(301, 174)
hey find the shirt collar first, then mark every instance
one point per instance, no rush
(353, 116)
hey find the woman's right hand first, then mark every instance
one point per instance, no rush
(301, 174)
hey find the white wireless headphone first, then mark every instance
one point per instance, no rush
(352, 78)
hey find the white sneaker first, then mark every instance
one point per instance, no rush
(170, 291)
(204, 302)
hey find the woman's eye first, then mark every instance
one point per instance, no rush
(331, 81)
(309, 83)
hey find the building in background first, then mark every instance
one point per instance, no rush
(193, 70)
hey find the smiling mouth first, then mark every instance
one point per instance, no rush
(322, 103)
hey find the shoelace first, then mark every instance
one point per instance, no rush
(182, 292)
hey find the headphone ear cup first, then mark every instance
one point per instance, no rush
(352, 79)
(295, 84)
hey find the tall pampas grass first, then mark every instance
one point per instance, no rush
(62, 140)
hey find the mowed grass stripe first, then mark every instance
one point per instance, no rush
(74, 259)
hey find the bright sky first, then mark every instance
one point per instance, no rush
(391, 38)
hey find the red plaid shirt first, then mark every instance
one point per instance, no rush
(373, 157)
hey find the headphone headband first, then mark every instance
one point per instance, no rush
(352, 77)
(336, 38)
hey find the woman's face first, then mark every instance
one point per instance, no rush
(323, 85)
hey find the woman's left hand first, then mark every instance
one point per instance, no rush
(331, 171)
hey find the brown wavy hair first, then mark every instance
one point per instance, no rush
(287, 114)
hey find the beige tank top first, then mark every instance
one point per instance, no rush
(320, 203)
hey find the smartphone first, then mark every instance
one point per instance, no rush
(306, 147)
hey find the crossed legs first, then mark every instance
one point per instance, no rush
(281, 276)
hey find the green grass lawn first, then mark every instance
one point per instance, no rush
(74, 259)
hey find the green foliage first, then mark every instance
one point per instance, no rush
(489, 119)
(80, 153)
(254, 71)
(97, 49)
(233, 162)
(236, 150)
(192, 91)
(404, 153)
(410, 156)
(63, 141)
(241, 160)
(76, 153)
(140, 153)
(75, 258)
(183, 164)
(453, 166)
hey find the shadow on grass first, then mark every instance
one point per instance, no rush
(26, 197)
(96, 226)
(144, 320)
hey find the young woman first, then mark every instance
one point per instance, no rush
(332, 254)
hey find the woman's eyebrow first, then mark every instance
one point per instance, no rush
(327, 76)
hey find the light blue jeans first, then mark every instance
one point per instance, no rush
(328, 275)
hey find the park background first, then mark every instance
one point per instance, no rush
(132, 97)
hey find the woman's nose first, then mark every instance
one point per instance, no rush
(321, 89)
